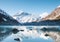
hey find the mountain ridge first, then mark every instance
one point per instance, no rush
(54, 15)
(6, 19)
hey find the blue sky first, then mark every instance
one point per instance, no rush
(35, 7)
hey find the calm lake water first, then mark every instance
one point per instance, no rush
(27, 34)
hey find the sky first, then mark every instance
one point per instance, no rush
(35, 7)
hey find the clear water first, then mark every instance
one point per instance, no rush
(26, 36)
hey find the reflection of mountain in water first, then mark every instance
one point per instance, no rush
(25, 32)
(52, 32)
(30, 32)
(4, 32)
(7, 31)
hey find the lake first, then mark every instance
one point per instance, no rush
(24, 34)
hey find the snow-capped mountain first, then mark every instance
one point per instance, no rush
(24, 17)
(43, 15)
(43, 19)
(6, 19)
(55, 15)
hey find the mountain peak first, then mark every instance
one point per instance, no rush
(25, 17)
(22, 16)
(21, 13)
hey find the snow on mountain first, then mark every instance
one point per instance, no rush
(43, 15)
(2, 12)
(24, 17)
(4, 19)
